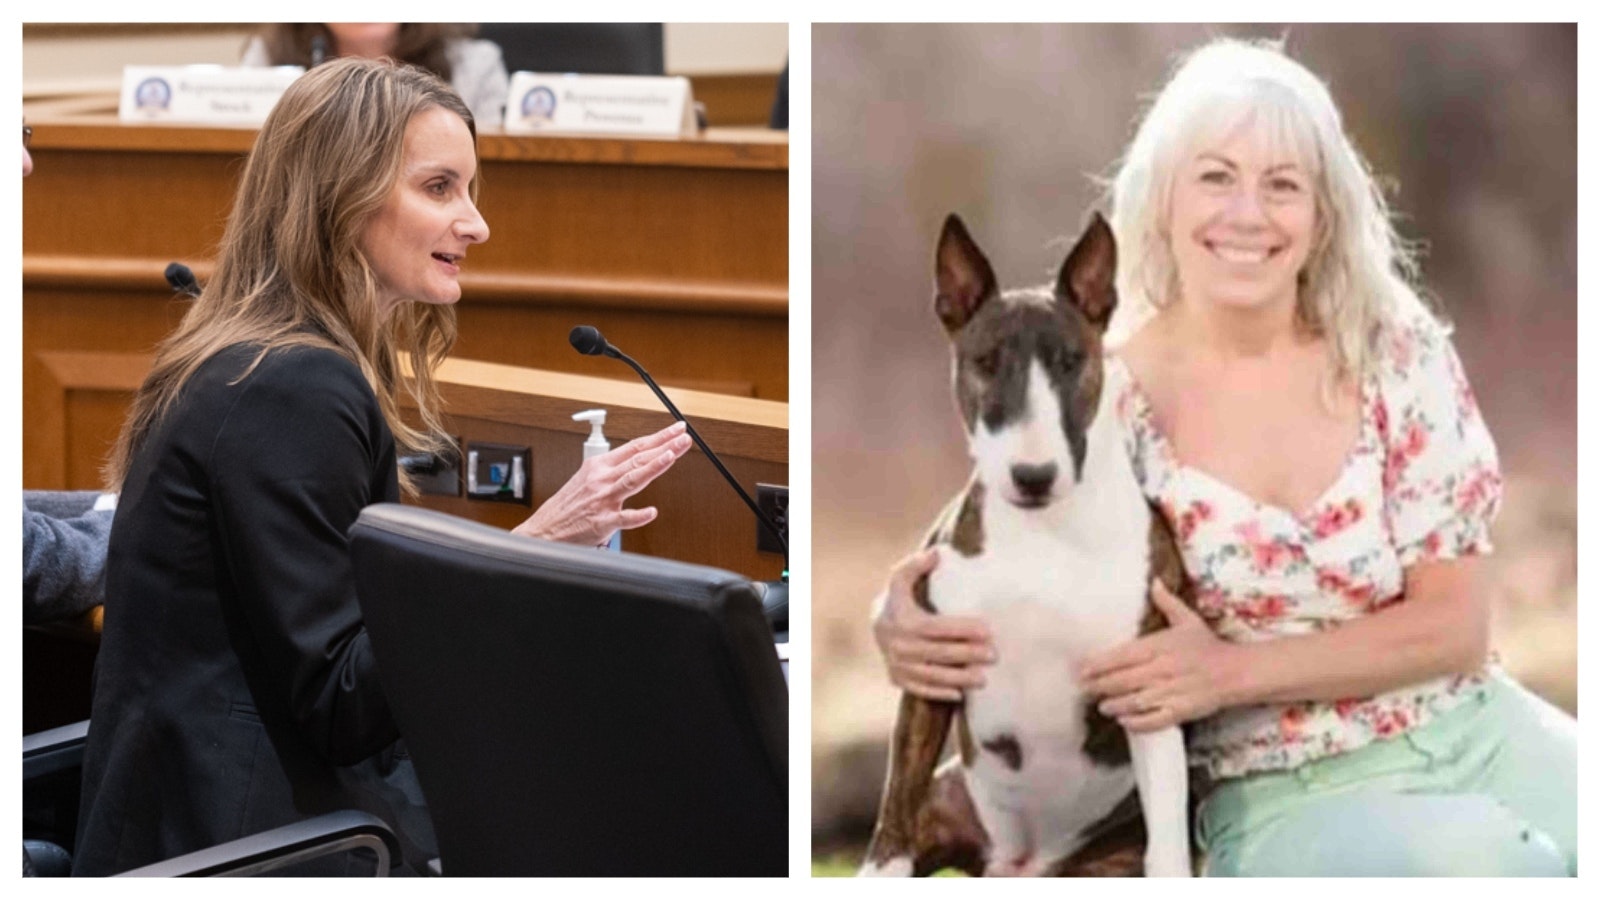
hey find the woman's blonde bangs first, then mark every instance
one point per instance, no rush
(1359, 274)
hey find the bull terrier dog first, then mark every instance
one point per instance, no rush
(1052, 543)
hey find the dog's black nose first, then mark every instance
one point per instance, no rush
(1034, 482)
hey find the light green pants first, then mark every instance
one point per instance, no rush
(1489, 788)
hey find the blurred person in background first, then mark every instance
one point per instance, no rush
(474, 68)
(1301, 419)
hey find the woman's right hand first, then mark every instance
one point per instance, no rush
(588, 509)
(930, 655)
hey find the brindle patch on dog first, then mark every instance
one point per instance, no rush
(919, 594)
(948, 834)
(965, 745)
(967, 536)
(918, 738)
(1106, 743)
(1166, 563)
(1116, 849)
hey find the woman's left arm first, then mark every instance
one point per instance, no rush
(588, 509)
(1186, 672)
(1441, 490)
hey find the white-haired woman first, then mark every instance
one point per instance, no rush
(1303, 422)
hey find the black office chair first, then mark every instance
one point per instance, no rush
(52, 769)
(576, 712)
(606, 48)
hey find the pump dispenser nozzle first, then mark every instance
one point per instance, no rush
(597, 438)
(594, 446)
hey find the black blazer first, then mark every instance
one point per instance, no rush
(235, 689)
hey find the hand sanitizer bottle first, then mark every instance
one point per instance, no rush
(594, 446)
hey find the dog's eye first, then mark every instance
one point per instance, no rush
(1059, 357)
(987, 363)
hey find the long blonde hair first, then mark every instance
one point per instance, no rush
(1360, 275)
(289, 269)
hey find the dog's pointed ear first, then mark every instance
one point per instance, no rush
(1088, 278)
(962, 277)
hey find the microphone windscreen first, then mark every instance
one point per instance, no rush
(182, 279)
(586, 339)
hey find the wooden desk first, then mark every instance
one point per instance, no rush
(701, 519)
(677, 250)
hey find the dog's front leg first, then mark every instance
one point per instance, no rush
(1161, 770)
(919, 731)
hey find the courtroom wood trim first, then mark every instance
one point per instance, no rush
(65, 372)
(625, 293)
(97, 371)
(745, 427)
(101, 272)
(737, 99)
(122, 29)
(735, 426)
(47, 427)
(143, 274)
(702, 521)
(715, 148)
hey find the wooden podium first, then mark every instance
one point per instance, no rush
(701, 520)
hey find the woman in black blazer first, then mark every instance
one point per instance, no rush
(235, 689)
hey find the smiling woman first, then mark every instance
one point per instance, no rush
(1301, 419)
(235, 689)
(1242, 219)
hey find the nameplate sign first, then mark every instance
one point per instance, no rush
(599, 104)
(215, 95)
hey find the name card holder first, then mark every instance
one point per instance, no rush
(600, 104)
(207, 95)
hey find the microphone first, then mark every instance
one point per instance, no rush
(182, 279)
(588, 340)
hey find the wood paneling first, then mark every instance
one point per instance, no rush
(702, 520)
(676, 249)
(84, 354)
(736, 99)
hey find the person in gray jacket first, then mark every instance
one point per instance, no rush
(64, 535)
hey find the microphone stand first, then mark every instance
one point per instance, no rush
(774, 594)
(695, 436)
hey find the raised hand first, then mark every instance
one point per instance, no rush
(588, 509)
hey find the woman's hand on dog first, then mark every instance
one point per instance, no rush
(929, 655)
(588, 509)
(1166, 677)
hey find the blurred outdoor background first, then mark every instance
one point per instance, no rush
(1474, 129)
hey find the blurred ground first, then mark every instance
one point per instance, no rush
(1475, 125)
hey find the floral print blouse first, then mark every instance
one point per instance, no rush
(1421, 483)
